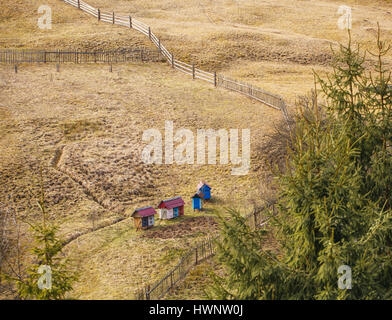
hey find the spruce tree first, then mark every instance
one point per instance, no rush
(334, 199)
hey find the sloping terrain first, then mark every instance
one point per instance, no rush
(84, 125)
(87, 137)
(272, 44)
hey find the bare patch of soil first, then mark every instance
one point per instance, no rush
(190, 226)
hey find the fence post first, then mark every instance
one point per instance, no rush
(16, 68)
(284, 110)
(215, 82)
(193, 71)
(99, 14)
(44, 56)
(149, 33)
(78, 4)
(130, 22)
(196, 255)
(148, 292)
(113, 17)
(172, 60)
(255, 218)
(171, 279)
(159, 46)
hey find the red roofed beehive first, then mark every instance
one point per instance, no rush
(171, 208)
(144, 217)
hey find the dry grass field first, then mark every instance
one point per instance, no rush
(84, 124)
(87, 135)
(274, 44)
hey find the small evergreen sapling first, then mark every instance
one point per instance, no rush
(46, 253)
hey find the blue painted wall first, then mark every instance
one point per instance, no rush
(196, 203)
(145, 222)
(207, 192)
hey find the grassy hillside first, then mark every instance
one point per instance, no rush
(273, 44)
(87, 136)
(84, 124)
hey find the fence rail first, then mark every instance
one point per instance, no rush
(250, 91)
(207, 248)
(267, 98)
(15, 56)
(193, 257)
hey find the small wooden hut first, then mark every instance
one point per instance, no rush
(196, 201)
(171, 208)
(144, 218)
(205, 190)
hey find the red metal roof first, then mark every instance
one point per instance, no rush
(172, 203)
(145, 212)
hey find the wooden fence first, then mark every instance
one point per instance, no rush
(15, 56)
(253, 92)
(267, 98)
(192, 258)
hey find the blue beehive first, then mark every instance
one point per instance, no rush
(205, 190)
(196, 201)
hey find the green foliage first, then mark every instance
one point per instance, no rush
(364, 103)
(46, 252)
(334, 205)
(239, 250)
